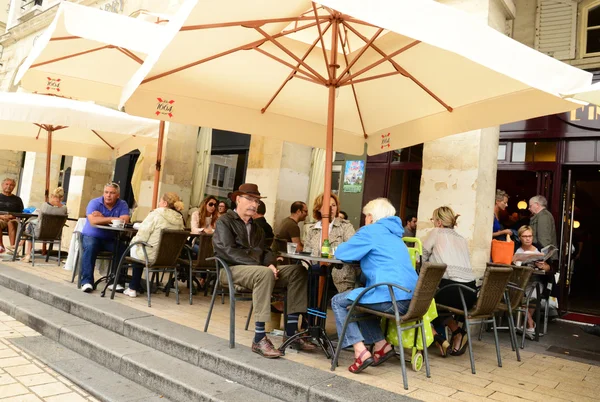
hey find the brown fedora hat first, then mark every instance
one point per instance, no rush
(250, 189)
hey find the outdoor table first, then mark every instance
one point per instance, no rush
(318, 311)
(21, 218)
(119, 232)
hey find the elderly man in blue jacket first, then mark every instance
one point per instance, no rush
(383, 257)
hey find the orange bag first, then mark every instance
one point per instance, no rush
(503, 251)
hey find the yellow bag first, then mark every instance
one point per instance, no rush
(408, 337)
(503, 251)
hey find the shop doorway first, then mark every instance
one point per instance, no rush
(580, 238)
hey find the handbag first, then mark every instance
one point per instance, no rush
(503, 251)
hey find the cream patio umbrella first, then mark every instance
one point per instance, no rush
(342, 73)
(40, 123)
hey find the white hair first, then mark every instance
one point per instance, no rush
(540, 199)
(379, 208)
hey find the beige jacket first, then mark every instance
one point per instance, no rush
(149, 231)
(341, 231)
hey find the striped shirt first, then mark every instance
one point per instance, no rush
(444, 245)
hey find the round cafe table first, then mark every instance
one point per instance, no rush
(317, 309)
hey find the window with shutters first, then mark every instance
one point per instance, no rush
(556, 28)
(591, 26)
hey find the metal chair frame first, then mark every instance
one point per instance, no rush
(157, 265)
(51, 237)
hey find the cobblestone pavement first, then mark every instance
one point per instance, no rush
(538, 377)
(25, 379)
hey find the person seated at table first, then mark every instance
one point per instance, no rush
(340, 230)
(383, 258)
(9, 202)
(222, 208)
(54, 206)
(526, 236)
(260, 220)
(240, 242)
(166, 216)
(101, 211)
(444, 245)
(205, 217)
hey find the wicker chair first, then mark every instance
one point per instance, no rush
(51, 227)
(102, 255)
(490, 294)
(513, 300)
(201, 265)
(169, 248)
(236, 293)
(428, 282)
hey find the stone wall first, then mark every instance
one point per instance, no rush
(33, 183)
(281, 171)
(10, 164)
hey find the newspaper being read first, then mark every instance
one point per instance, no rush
(526, 258)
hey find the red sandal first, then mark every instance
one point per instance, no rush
(380, 357)
(359, 365)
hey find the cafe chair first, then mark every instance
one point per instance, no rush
(51, 227)
(102, 256)
(512, 302)
(429, 280)
(236, 293)
(201, 265)
(169, 248)
(490, 295)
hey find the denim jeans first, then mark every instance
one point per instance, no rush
(136, 276)
(367, 331)
(91, 247)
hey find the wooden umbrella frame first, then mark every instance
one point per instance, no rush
(50, 129)
(340, 25)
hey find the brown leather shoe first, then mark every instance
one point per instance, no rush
(303, 345)
(266, 349)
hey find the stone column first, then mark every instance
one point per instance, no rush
(281, 170)
(460, 171)
(179, 151)
(33, 182)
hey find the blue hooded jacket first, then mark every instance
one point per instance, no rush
(383, 258)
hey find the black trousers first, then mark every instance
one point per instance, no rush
(451, 297)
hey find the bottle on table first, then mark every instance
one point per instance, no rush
(325, 248)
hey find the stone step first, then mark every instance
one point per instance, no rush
(279, 378)
(97, 380)
(151, 369)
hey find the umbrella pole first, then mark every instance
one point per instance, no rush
(161, 133)
(48, 157)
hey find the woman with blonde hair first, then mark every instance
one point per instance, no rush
(340, 230)
(166, 216)
(205, 218)
(500, 205)
(444, 245)
(53, 206)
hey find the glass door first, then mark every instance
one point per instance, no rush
(566, 241)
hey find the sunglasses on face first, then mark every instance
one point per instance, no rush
(211, 204)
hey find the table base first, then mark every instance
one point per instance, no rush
(312, 333)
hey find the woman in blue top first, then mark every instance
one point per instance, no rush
(383, 257)
(501, 203)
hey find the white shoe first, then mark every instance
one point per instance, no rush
(87, 288)
(130, 292)
(530, 333)
(10, 249)
(119, 287)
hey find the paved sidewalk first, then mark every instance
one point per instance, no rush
(25, 379)
(538, 377)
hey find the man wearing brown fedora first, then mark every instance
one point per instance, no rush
(241, 243)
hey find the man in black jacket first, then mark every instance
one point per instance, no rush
(241, 242)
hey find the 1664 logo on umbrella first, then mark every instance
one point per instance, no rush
(164, 106)
(53, 84)
(385, 141)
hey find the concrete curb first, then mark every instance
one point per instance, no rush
(279, 378)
